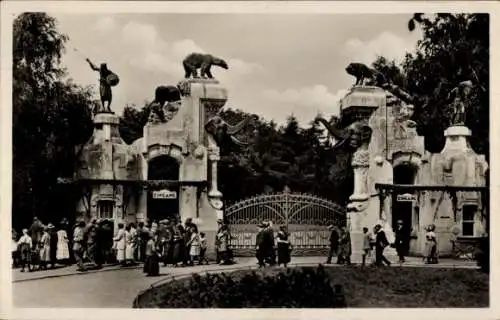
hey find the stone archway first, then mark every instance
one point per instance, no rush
(163, 203)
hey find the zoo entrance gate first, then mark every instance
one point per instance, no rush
(305, 216)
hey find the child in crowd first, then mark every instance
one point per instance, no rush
(152, 263)
(367, 245)
(25, 245)
(203, 248)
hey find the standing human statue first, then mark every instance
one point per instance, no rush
(107, 79)
(461, 96)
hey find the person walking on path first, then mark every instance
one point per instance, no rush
(187, 240)
(402, 240)
(142, 240)
(431, 248)
(194, 245)
(92, 242)
(65, 225)
(79, 245)
(367, 245)
(178, 243)
(36, 231)
(45, 249)
(152, 260)
(345, 247)
(260, 252)
(203, 248)
(62, 254)
(334, 243)
(222, 243)
(269, 241)
(53, 245)
(284, 247)
(380, 244)
(133, 242)
(120, 244)
(129, 245)
(25, 245)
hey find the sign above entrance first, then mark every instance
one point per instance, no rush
(406, 197)
(164, 194)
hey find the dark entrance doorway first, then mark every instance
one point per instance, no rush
(402, 206)
(159, 206)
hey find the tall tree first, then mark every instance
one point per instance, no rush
(51, 115)
(454, 48)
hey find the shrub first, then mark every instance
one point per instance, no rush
(482, 254)
(304, 288)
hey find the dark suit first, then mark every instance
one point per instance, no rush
(261, 247)
(401, 242)
(334, 245)
(380, 244)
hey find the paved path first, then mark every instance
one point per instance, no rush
(64, 288)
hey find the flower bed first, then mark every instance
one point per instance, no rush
(329, 287)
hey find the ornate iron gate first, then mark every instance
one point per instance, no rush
(305, 216)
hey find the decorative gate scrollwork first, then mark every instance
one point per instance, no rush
(305, 216)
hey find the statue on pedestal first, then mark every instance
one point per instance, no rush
(461, 96)
(201, 61)
(107, 80)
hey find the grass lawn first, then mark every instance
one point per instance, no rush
(397, 287)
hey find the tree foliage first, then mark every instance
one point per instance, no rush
(454, 48)
(51, 115)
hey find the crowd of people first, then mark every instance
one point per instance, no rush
(340, 245)
(91, 245)
(175, 244)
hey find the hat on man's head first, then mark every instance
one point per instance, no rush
(331, 227)
(50, 226)
(400, 221)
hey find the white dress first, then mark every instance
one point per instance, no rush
(62, 245)
(120, 245)
(195, 245)
(130, 248)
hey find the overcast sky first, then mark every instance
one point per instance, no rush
(279, 64)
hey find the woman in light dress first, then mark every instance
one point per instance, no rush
(194, 244)
(120, 242)
(45, 248)
(222, 242)
(130, 238)
(431, 246)
(62, 254)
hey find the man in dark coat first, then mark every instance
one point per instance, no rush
(401, 241)
(334, 243)
(380, 244)
(261, 245)
(91, 235)
(270, 254)
(53, 245)
(100, 244)
(36, 231)
(187, 237)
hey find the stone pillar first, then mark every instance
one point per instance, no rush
(359, 201)
(204, 97)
